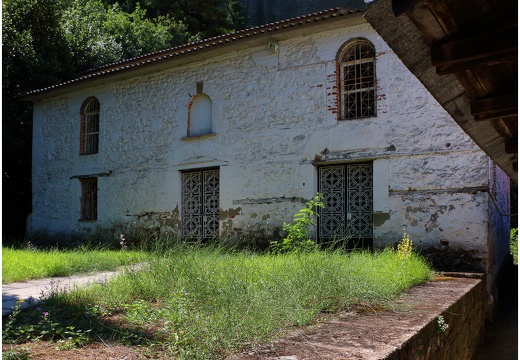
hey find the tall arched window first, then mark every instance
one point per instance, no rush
(358, 79)
(200, 115)
(89, 127)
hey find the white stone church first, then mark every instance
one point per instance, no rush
(230, 136)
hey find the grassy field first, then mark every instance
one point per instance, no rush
(27, 264)
(200, 302)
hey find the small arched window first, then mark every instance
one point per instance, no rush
(358, 79)
(200, 115)
(89, 127)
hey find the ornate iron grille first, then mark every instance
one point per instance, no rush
(200, 204)
(359, 81)
(347, 216)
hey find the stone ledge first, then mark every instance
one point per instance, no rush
(411, 332)
(199, 137)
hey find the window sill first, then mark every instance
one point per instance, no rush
(199, 137)
(357, 118)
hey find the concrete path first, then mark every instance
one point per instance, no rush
(34, 290)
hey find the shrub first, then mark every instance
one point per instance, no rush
(513, 234)
(298, 238)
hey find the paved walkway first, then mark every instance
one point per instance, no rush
(34, 290)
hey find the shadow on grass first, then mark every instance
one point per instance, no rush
(74, 325)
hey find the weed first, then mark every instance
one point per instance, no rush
(441, 325)
(404, 247)
(204, 302)
(9, 328)
(298, 238)
(122, 242)
(22, 354)
(42, 328)
(514, 244)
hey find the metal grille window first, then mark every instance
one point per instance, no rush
(358, 80)
(89, 197)
(90, 127)
(347, 216)
(200, 204)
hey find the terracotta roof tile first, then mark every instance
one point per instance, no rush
(177, 51)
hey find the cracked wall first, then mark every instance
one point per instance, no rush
(274, 122)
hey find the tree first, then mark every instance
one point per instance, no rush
(203, 18)
(46, 42)
(98, 35)
(34, 55)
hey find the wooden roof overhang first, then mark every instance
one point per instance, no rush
(465, 52)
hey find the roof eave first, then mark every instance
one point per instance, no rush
(202, 50)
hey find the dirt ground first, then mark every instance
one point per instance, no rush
(361, 334)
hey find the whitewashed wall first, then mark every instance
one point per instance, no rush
(272, 120)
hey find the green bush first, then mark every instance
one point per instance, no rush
(298, 238)
(514, 244)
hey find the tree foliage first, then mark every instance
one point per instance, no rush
(203, 18)
(45, 42)
(34, 55)
(98, 34)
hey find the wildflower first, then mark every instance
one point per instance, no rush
(404, 247)
(45, 314)
(39, 308)
(21, 301)
(122, 241)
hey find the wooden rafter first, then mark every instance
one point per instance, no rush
(487, 49)
(492, 108)
(511, 146)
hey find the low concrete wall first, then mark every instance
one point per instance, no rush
(465, 320)
(410, 332)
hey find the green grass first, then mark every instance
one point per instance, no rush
(200, 303)
(27, 264)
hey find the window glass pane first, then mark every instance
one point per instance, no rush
(89, 199)
(91, 127)
(358, 82)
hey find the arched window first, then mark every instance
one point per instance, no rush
(358, 79)
(200, 115)
(89, 127)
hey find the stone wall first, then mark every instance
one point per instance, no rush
(274, 121)
(454, 334)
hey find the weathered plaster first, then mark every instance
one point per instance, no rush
(274, 121)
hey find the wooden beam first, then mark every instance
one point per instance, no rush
(400, 6)
(487, 49)
(492, 108)
(511, 147)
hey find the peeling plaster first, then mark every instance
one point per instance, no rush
(272, 125)
(230, 213)
(380, 219)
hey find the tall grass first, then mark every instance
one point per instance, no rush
(206, 303)
(26, 264)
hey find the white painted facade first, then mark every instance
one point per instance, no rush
(271, 126)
